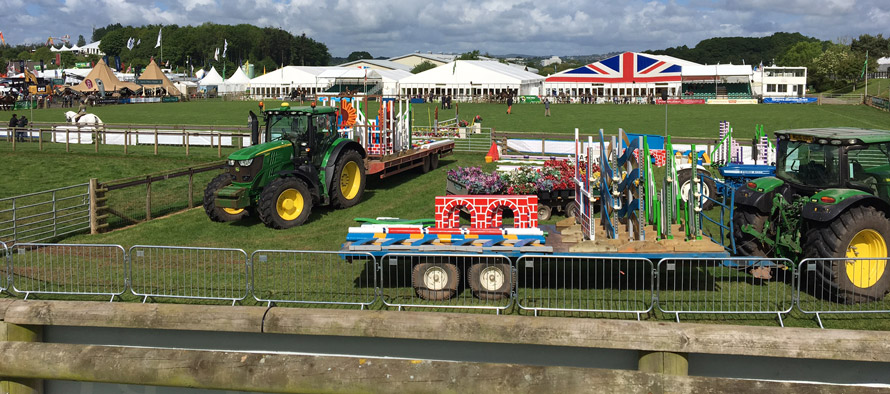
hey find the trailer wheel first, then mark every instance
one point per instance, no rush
(425, 168)
(544, 212)
(285, 203)
(862, 232)
(490, 281)
(435, 281)
(215, 213)
(684, 181)
(348, 185)
(434, 161)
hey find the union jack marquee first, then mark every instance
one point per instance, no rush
(628, 67)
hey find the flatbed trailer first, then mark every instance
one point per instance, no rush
(425, 157)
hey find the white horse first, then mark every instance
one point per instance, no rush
(86, 119)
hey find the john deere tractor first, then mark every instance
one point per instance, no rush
(301, 162)
(829, 199)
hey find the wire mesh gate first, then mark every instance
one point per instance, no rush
(843, 286)
(185, 272)
(39, 268)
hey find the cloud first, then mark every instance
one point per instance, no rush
(395, 27)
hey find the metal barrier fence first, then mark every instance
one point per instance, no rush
(563, 285)
(185, 272)
(68, 269)
(458, 281)
(843, 286)
(725, 286)
(5, 267)
(41, 216)
(466, 139)
(329, 278)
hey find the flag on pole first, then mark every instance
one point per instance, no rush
(131, 43)
(138, 41)
(159, 37)
(2, 40)
(216, 54)
(864, 66)
(225, 47)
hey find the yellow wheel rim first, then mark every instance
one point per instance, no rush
(289, 204)
(232, 211)
(350, 181)
(866, 244)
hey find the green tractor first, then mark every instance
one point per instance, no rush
(302, 162)
(829, 199)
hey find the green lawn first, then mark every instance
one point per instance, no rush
(407, 195)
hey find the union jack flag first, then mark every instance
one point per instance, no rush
(627, 67)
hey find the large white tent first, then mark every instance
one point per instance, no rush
(237, 83)
(463, 79)
(279, 83)
(211, 79)
(391, 80)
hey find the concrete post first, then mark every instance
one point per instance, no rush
(667, 363)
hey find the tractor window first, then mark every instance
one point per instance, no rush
(292, 127)
(808, 164)
(869, 165)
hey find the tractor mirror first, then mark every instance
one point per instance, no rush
(254, 125)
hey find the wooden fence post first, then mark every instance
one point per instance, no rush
(156, 140)
(126, 139)
(218, 144)
(40, 139)
(67, 140)
(191, 188)
(185, 140)
(15, 333)
(94, 209)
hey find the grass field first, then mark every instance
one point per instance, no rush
(683, 120)
(408, 195)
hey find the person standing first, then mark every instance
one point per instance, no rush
(13, 123)
(546, 107)
(23, 123)
(509, 104)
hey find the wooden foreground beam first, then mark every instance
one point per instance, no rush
(551, 331)
(290, 373)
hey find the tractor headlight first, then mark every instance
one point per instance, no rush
(231, 163)
(245, 163)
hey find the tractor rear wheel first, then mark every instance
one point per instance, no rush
(684, 182)
(285, 203)
(862, 232)
(349, 180)
(747, 244)
(215, 213)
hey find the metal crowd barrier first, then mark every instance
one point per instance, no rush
(329, 278)
(725, 286)
(5, 267)
(186, 272)
(563, 285)
(843, 286)
(39, 268)
(450, 281)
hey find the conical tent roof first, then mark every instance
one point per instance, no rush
(152, 71)
(102, 72)
(212, 78)
(239, 77)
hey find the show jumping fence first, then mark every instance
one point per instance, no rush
(546, 285)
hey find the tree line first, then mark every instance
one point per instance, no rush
(195, 46)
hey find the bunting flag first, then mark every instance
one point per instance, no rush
(225, 47)
(159, 37)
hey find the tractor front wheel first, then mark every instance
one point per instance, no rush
(215, 213)
(349, 180)
(285, 203)
(709, 189)
(859, 238)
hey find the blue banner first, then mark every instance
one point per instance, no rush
(788, 100)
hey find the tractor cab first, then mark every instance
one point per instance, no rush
(310, 130)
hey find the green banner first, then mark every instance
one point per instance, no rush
(170, 99)
(83, 65)
(530, 99)
(148, 81)
(58, 81)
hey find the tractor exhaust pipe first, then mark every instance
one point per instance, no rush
(254, 125)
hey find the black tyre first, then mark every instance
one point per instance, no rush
(747, 244)
(544, 212)
(349, 180)
(435, 281)
(684, 182)
(862, 232)
(434, 161)
(490, 281)
(215, 213)
(425, 168)
(571, 209)
(285, 203)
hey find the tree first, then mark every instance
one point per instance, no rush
(836, 67)
(472, 55)
(81, 41)
(358, 56)
(113, 43)
(426, 65)
(876, 46)
(801, 54)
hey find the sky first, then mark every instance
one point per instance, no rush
(498, 27)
